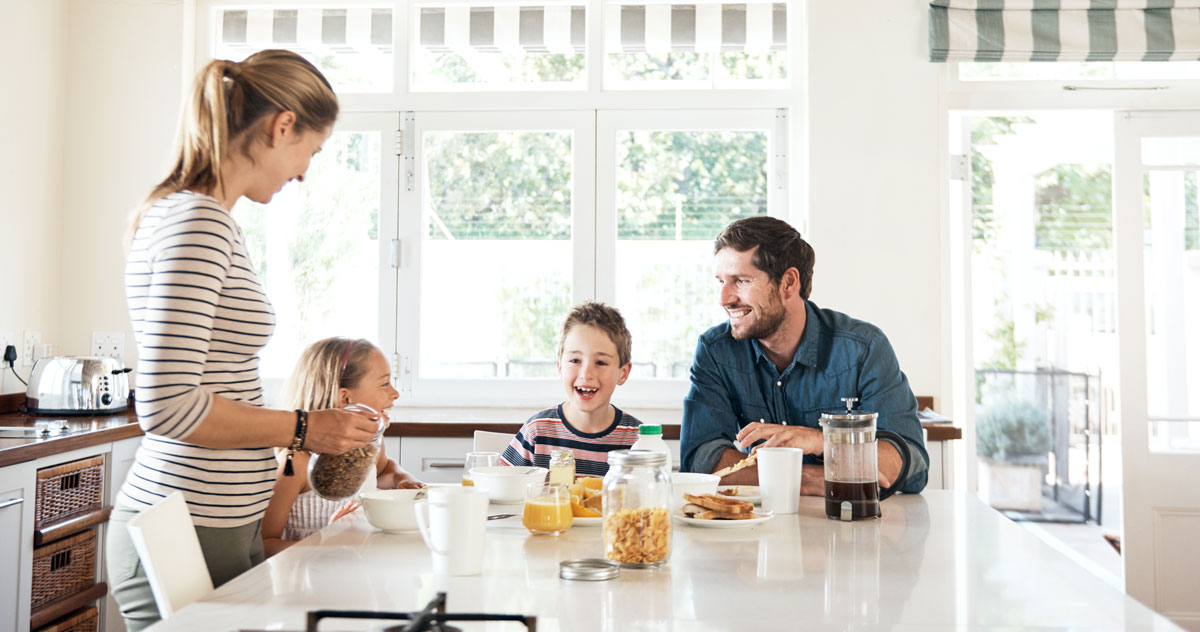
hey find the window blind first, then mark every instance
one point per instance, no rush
(340, 30)
(754, 27)
(1064, 30)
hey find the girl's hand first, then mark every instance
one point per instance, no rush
(343, 511)
(410, 484)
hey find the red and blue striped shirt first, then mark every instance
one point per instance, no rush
(549, 430)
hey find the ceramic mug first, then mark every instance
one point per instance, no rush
(452, 523)
(779, 474)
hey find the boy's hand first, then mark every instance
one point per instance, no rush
(336, 431)
(344, 510)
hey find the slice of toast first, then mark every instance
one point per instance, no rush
(749, 461)
(720, 503)
(691, 511)
(723, 515)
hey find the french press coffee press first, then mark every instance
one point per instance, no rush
(852, 463)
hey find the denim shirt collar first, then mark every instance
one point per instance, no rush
(810, 343)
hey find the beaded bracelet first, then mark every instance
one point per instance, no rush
(297, 440)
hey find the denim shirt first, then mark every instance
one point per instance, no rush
(735, 384)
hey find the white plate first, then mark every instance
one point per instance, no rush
(760, 516)
(748, 493)
(580, 521)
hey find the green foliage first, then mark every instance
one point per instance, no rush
(1012, 429)
(985, 131)
(534, 310)
(1073, 204)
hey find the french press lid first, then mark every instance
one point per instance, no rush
(851, 419)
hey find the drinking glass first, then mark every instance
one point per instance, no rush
(547, 508)
(478, 459)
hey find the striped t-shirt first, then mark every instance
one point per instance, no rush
(549, 430)
(200, 318)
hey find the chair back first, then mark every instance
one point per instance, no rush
(165, 540)
(491, 441)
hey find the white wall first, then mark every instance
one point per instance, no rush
(875, 141)
(124, 82)
(32, 43)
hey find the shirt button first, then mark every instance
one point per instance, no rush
(779, 383)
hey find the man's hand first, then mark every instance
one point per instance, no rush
(889, 464)
(779, 436)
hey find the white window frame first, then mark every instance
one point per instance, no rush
(399, 287)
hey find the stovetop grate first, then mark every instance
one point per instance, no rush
(432, 618)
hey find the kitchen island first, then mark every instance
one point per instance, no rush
(937, 561)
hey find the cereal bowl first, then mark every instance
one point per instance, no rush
(506, 484)
(391, 509)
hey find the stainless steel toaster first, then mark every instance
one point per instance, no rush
(78, 386)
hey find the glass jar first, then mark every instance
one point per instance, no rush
(637, 501)
(340, 476)
(562, 466)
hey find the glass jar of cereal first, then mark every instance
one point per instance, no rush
(637, 501)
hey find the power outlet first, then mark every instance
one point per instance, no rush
(108, 344)
(32, 340)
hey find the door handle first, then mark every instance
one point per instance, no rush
(10, 502)
(446, 465)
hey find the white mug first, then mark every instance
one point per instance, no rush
(779, 474)
(452, 523)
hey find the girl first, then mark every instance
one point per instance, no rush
(200, 318)
(330, 374)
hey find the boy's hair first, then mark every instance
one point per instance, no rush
(604, 318)
(324, 367)
(779, 247)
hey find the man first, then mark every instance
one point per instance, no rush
(780, 361)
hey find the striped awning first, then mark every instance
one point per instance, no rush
(504, 28)
(753, 27)
(336, 30)
(1064, 30)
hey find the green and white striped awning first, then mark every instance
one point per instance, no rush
(1064, 30)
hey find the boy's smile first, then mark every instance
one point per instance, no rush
(590, 370)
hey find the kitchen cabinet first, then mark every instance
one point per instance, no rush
(17, 489)
(435, 459)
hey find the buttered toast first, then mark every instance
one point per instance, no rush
(722, 504)
(739, 466)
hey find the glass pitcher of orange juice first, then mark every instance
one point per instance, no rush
(547, 508)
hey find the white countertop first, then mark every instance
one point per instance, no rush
(937, 561)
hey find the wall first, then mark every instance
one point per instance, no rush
(876, 138)
(32, 40)
(124, 82)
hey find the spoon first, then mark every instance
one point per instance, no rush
(500, 516)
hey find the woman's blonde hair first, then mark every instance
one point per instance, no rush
(324, 367)
(226, 100)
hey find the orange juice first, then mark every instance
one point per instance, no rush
(467, 482)
(546, 515)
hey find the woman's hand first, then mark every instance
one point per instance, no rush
(336, 431)
(780, 436)
(344, 510)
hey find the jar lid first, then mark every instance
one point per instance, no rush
(591, 570)
(637, 457)
(649, 429)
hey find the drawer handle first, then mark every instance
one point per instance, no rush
(10, 502)
(446, 465)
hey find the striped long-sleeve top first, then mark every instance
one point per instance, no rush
(200, 318)
(549, 429)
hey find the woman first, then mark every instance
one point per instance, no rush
(200, 318)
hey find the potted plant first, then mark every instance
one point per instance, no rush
(1012, 441)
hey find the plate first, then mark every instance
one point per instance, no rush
(581, 521)
(748, 493)
(760, 516)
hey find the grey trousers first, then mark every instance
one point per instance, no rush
(228, 552)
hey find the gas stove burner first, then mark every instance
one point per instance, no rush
(432, 619)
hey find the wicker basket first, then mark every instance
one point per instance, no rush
(69, 489)
(63, 568)
(85, 620)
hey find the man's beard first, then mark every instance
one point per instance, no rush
(766, 321)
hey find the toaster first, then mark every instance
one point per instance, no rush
(78, 386)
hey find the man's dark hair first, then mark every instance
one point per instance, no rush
(779, 247)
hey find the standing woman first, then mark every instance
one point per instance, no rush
(200, 318)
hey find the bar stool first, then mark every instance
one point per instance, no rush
(165, 540)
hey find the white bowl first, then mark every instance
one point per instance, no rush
(694, 483)
(391, 509)
(504, 483)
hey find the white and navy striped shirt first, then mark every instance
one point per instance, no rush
(200, 318)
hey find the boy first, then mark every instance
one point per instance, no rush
(593, 358)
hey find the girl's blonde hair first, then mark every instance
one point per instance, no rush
(323, 368)
(226, 100)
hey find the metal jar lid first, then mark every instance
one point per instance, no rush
(637, 457)
(591, 570)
